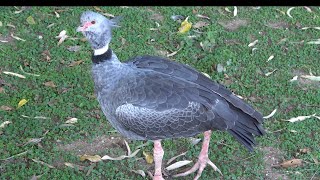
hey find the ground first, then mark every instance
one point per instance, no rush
(38, 143)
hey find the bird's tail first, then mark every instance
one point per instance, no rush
(244, 129)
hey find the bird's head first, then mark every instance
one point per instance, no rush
(96, 28)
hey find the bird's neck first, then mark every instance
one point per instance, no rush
(104, 55)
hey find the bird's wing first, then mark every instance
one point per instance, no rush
(188, 73)
(159, 106)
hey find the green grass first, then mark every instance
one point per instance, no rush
(73, 95)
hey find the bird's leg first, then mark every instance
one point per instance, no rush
(203, 159)
(158, 155)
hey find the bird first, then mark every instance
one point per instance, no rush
(154, 98)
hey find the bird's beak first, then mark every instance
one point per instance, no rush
(84, 27)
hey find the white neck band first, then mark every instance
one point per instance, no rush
(101, 50)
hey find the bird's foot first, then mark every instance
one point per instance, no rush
(200, 165)
(158, 177)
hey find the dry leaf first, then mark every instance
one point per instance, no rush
(308, 9)
(294, 78)
(141, 172)
(14, 74)
(269, 73)
(95, 158)
(312, 78)
(62, 36)
(304, 28)
(17, 38)
(235, 11)
(74, 166)
(74, 48)
(304, 150)
(106, 157)
(302, 118)
(206, 74)
(2, 90)
(50, 25)
(253, 43)
(30, 20)
(50, 84)
(173, 53)
(75, 63)
(270, 58)
(271, 114)
(71, 121)
(314, 42)
(33, 141)
(22, 102)
(148, 157)
(289, 10)
(128, 147)
(291, 163)
(177, 17)
(97, 8)
(227, 9)
(2, 125)
(200, 24)
(177, 165)
(202, 16)
(175, 157)
(6, 108)
(57, 14)
(43, 163)
(185, 26)
(28, 73)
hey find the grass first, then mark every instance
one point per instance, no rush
(73, 95)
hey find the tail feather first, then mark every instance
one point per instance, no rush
(244, 129)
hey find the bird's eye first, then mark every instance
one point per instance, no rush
(93, 22)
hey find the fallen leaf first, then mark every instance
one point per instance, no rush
(312, 78)
(28, 73)
(17, 38)
(57, 14)
(95, 158)
(235, 11)
(141, 172)
(97, 8)
(30, 20)
(291, 163)
(33, 141)
(66, 125)
(227, 9)
(302, 118)
(2, 90)
(178, 165)
(304, 28)
(106, 157)
(233, 24)
(75, 166)
(206, 74)
(22, 102)
(6, 108)
(200, 24)
(1, 23)
(74, 48)
(71, 121)
(271, 114)
(202, 16)
(253, 43)
(2, 125)
(185, 26)
(108, 15)
(314, 42)
(50, 25)
(173, 53)
(308, 9)
(43, 163)
(289, 10)
(14, 74)
(156, 17)
(269, 73)
(270, 58)
(148, 157)
(294, 78)
(62, 36)
(128, 147)
(304, 150)
(50, 84)
(175, 157)
(11, 25)
(75, 63)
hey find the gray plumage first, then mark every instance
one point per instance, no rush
(155, 98)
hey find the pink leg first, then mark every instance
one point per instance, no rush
(203, 159)
(158, 155)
